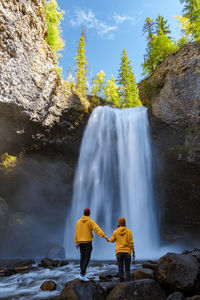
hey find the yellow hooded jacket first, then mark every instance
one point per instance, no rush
(84, 228)
(124, 240)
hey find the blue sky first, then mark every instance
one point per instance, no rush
(111, 25)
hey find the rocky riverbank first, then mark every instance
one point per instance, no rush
(172, 277)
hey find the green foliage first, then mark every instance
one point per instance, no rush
(53, 19)
(161, 26)
(192, 13)
(98, 84)
(81, 66)
(150, 88)
(159, 46)
(7, 162)
(148, 28)
(127, 84)
(111, 92)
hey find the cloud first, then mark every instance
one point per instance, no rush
(119, 19)
(88, 19)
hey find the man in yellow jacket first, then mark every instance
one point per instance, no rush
(83, 239)
(123, 239)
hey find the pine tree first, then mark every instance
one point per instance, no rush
(111, 92)
(149, 29)
(127, 84)
(192, 13)
(81, 66)
(53, 18)
(161, 26)
(97, 84)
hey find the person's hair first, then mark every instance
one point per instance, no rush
(86, 212)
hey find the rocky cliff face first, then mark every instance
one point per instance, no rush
(32, 95)
(173, 96)
(41, 122)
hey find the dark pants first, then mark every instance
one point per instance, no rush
(124, 258)
(85, 250)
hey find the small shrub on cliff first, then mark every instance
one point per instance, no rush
(53, 18)
(7, 162)
(150, 88)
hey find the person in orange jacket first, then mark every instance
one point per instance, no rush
(123, 239)
(83, 240)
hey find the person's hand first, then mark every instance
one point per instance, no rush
(77, 245)
(107, 239)
(133, 256)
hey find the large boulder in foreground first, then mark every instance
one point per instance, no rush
(145, 289)
(177, 272)
(77, 289)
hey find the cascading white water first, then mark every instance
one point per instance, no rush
(114, 179)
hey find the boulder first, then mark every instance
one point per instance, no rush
(105, 277)
(145, 289)
(48, 285)
(15, 263)
(108, 286)
(77, 289)
(177, 272)
(63, 262)
(149, 265)
(143, 274)
(195, 253)
(56, 251)
(47, 262)
(176, 296)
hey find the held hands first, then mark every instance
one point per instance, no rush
(106, 238)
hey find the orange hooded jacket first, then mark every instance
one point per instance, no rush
(124, 240)
(84, 228)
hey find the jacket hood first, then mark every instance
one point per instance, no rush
(122, 230)
(84, 219)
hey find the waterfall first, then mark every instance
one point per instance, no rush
(114, 179)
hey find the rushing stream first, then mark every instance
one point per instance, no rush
(114, 179)
(26, 286)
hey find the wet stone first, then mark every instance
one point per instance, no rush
(47, 262)
(48, 286)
